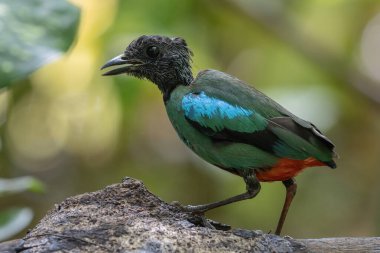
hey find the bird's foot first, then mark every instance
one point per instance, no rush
(198, 217)
(200, 220)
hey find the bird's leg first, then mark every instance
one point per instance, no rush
(253, 188)
(291, 189)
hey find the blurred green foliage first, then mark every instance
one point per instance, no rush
(20, 184)
(15, 219)
(34, 33)
(79, 131)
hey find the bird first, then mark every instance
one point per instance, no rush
(225, 121)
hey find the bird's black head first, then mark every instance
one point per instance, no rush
(164, 61)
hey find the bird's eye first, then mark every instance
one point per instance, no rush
(152, 51)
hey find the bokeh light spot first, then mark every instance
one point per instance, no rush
(370, 48)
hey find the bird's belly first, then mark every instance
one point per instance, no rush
(285, 169)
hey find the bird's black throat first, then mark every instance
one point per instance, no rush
(168, 81)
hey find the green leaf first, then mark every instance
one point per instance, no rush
(33, 33)
(13, 220)
(20, 184)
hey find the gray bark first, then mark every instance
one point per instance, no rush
(126, 217)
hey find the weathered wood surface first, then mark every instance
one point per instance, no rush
(342, 244)
(126, 217)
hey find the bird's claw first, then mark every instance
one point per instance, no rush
(198, 217)
(201, 220)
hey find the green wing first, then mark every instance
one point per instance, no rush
(228, 110)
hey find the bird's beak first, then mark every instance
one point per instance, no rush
(129, 64)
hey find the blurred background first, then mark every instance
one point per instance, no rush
(74, 131)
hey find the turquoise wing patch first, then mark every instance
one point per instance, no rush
(216, 114)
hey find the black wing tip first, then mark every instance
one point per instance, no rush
(331, 164)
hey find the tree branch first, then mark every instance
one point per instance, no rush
(126, 217)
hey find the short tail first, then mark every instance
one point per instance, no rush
(331, 164)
